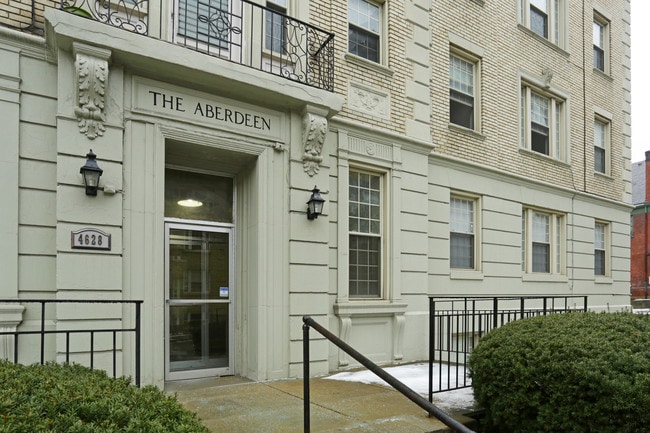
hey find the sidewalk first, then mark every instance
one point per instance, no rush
(236, 405)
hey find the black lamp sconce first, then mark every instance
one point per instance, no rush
(91, 173)
(315, 204)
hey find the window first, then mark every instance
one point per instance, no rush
(275, 26)
(462, 235)
(542, 122)
(205, 22)
(462, 99)
(365, 226)
(601, 144)
(542, 239)
(601, 43)
(600, 249)
(544, 17)
(364, 19)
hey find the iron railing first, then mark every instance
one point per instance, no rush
(130, 15)
(47, 329)
(456, 324)
(238, 31)
(433, 410)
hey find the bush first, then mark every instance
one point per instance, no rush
(576, 372)
(74, 399)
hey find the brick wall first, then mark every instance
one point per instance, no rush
(18, 14)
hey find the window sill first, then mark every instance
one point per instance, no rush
(543, 157)
(462, 130)
(479, 2)
(469, 274)
(369, 308)
(368, 64)
(542, 39)
(545, 278)
(603, 74)
(601, 279)
(604, 176)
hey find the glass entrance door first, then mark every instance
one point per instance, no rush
(199, 325)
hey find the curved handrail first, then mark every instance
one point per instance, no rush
(416, 398)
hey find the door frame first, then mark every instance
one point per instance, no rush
(176, 223)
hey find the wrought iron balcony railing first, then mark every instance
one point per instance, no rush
(235, 30)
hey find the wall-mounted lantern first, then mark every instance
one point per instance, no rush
(315, 204)
(91, 173)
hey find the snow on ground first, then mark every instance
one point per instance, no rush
(416, 377)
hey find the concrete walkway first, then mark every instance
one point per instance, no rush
(236, 405)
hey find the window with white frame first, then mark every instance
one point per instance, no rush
(462, 232)
(364, 31)
(600, 249)
(601, 43)
(463, 90)
(545, 18)
(365, 234)
(601, 145)
(275, 32)
(542, 122)
(542, 242)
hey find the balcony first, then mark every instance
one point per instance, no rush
(238, 31)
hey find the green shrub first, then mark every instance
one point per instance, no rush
(73, 399)
(565, 373)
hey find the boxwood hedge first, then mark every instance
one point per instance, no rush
(73, 399)
(573, 373)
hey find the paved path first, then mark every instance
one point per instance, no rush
(235, 405)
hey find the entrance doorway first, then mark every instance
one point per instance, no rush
(199, 309)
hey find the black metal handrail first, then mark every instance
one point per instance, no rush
(391, 380)
(43, 332)
(238, 31)
(456, 324)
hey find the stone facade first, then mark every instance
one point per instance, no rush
(70, 84)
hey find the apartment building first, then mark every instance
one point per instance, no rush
(457, 147)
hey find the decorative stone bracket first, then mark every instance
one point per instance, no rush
(10, 317)
(91, 66)
(314, 128)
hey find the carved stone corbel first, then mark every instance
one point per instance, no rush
(547, 76)
(314, 128)
(91, 67)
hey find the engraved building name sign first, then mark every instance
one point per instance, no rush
(206, 109)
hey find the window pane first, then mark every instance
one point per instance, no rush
(365, 231)
(541, 257)
(365, 271)
(542, 5)
(364, 29)
(599, 160)
(363, 44)
(461, 75)
(541, 232)
(598, 35)
(599, 262)
(539, 22)
(599, 236)
(207, 22)
(539, 113)
(461, 254)
(275, 33)
(599, 249)
(461, 219)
